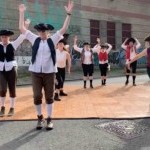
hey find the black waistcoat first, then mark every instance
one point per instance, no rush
(35, 48)
(9, 55)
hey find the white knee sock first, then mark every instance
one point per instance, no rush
(3, 101)
(38, 109)
(49, 110)
(12, 102)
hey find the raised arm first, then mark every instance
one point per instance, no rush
(138, 44)
(18, 41)
(22, 10)
(68, 9)
(75, 45)
(124, 44)
(27, 23)
(109, 47)
(23, 25)
(97, 47)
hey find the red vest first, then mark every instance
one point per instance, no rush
(128, 51)
(103, 56)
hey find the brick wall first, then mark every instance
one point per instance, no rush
(134, 12)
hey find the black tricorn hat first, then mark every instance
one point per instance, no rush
(43, 27)
(130, 40)
(86, 43)
(147, 39)
(6, 33)
(63, 41)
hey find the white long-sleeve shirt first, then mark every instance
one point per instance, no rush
(43, 62)
(87, 54)
(9, 65)
(132, 52)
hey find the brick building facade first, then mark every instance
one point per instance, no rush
(111, 20)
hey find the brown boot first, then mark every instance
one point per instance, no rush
(2, 112)
(56, 97)
(11, 112)
(62, 93)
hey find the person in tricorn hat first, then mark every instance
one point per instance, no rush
(63, 59)
(86, 60)
(8, 66)
(43, 66)
(131, 46)
(102, 50)
(145, 52)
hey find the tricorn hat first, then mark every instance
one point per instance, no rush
(130, 40)
(6, 33)
(43, 27)
(147, 39)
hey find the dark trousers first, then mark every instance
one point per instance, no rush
(60, 77)
(88, 70)
(8, 78)
(43, 81)
(103, 69)
(133, 67)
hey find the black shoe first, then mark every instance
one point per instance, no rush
(127, 82)
(40, 123)
(11, 112)
(84, 87)
(134, 84)
(91, 86)
(56, 97)
(2, 112)
(62, 93)
(49, 125)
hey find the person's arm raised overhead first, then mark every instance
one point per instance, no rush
(68, 9)
(75, 45)
(138, 44)
(22, 10)
(97, 47)
(124, 44)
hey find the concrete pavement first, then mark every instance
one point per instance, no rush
(74, 135)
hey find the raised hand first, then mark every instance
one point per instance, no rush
(69, 7)
(27, 23)
(75, 38)
(22, 8)
(98, 40)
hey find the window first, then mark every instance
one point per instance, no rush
(94, 31)
(111, 34)
(126, 31)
